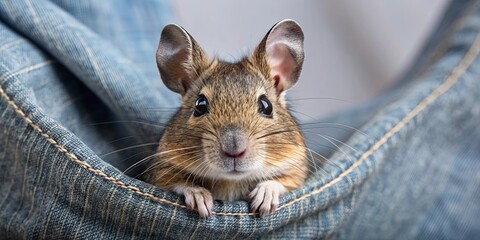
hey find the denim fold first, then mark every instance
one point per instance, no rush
(79, 87)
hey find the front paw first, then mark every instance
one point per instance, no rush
(197, 198)
(264, 197)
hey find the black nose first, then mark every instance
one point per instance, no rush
(233, 141)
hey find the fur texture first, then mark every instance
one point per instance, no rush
(191, 158)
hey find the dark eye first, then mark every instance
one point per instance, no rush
(201, 106)
(265, 106)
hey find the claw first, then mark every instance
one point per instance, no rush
(265, 197)
(197, 198)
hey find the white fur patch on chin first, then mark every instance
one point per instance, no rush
(264, 197)
(197, 198)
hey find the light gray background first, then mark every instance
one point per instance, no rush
(354, 49)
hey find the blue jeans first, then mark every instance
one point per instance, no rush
(79, 87)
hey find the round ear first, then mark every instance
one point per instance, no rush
(282, 49)
(179, 58)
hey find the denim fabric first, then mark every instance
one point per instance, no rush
(79, 84)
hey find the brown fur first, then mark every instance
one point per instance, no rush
(232, 90)
(190, 152)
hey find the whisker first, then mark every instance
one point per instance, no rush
(196, 137)
(255, 127)
(194, 171)
(167, 161)
(134, 155)
(336, 140)
(318, 145)
(315, 98)
(315, 127)
(306, 115)
(275, 132)
(127, 121)
(156, 124)
(157, 154)
(339, 148)
(291, 163)
(311, 151)
(174, 167)
(172, 108)
(128, 148)
(335, 124)
(121, 139)
(193, 160)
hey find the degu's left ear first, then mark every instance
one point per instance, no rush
(282, 51)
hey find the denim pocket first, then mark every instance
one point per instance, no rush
(411, 167)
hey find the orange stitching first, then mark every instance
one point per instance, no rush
(446, 85)
(79, 162)
(440, 90)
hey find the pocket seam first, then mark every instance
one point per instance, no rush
(447, 84)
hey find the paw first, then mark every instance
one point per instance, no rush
(197, 198)
(264, 197)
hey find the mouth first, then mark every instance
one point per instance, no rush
(236, 172)
(235, 169)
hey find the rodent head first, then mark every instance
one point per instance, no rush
(233, 123)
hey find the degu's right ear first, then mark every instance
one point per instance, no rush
(179, 59)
